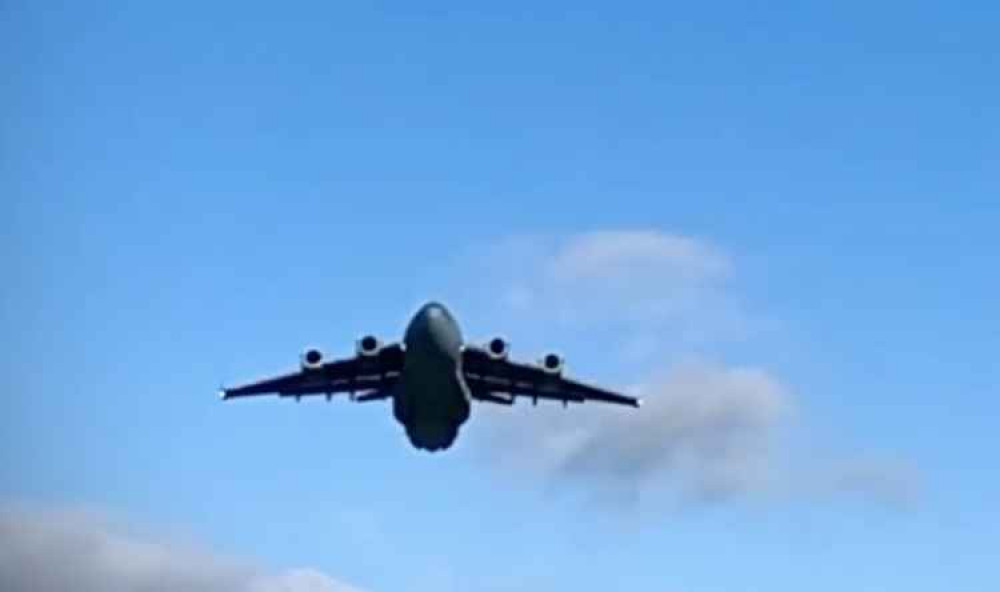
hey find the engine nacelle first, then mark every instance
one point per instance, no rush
(368, 346)
(311, 359)
(498, 348)
(552, 363)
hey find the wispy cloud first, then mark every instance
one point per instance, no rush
(59, 550)
(705, 432)
(891, 481)
(637, 255)
(611, 276)
(708, 431)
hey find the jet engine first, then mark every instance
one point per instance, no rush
(312, 359)
(553, 364)
(498, 348)
(368, 346)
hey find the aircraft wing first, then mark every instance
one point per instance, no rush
(502, 380)
(372, 375)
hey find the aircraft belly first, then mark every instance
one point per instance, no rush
(431, 400)
(430, 392)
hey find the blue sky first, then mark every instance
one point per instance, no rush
(190, 195)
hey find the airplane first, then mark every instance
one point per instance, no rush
(431, 376)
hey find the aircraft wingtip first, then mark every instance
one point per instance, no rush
(223, 394)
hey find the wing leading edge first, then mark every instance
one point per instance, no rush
(501, 381)
(372, 375)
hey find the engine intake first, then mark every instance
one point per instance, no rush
(498, 348)
(368, 346)
(552, 363)
(312, 359)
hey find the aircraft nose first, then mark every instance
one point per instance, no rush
(430, 314)
(432, 324)
(432, 309)
(422, 321)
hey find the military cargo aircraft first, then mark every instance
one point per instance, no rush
(432, 377)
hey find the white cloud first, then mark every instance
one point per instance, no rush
(704, 431)
(890, 481)
(636, 255)
(297, 580)
(55, 551)
(707, 432)
(613, 278)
